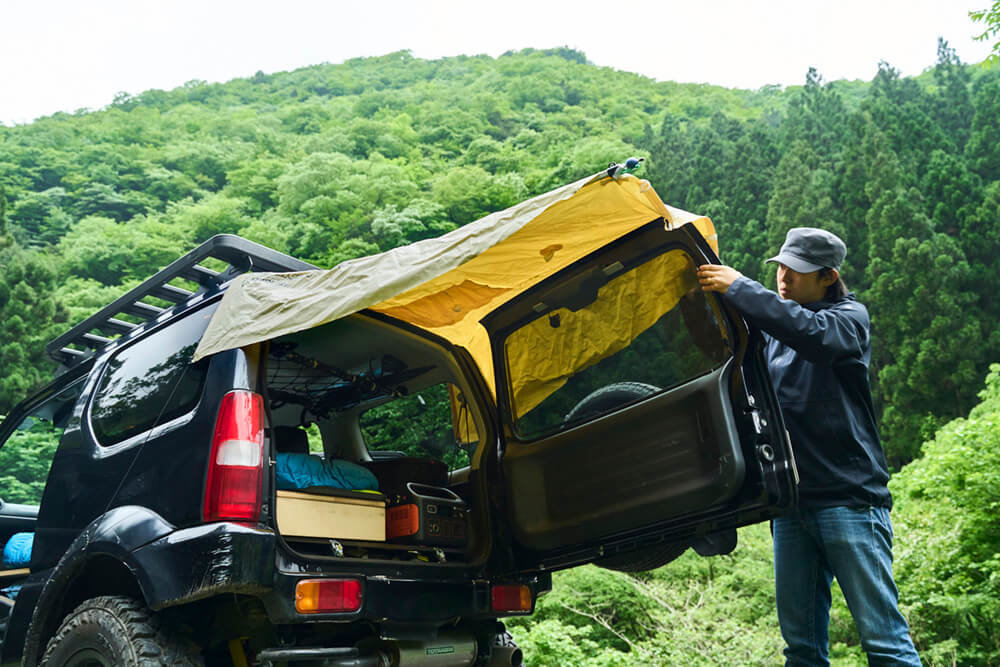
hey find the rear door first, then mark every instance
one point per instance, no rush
(636, 410)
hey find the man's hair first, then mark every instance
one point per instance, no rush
(837, 290)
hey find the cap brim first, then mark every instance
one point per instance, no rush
(795, 263)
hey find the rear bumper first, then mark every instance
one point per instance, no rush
(195, 563)
(401, 606)
(204, 561)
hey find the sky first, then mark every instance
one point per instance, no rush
(67, 55)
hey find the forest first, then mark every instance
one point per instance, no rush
(332, 162)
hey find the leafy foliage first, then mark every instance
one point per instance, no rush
(417, 425)
(24, 463)
(991, 19)
(29, 318)
(334, 162)
(948, 553)
(698, 611)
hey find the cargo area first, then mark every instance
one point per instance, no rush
(375, 444)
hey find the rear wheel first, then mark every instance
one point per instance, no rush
(116, 631)
(505, 651)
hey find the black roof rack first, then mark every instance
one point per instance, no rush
(241, 255)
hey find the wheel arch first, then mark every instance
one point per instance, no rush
(98, 562)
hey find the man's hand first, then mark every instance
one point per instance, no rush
(717, 278)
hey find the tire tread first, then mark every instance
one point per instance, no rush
(143, 635)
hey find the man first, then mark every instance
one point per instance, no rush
(818, 349)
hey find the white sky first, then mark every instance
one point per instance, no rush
(64, 55)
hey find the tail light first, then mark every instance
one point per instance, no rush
(511, 597)
(314, 596)
(236, 463)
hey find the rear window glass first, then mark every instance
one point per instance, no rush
(651, 326)
(152, 381)
(434, 422)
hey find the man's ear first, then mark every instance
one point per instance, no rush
(830, 277)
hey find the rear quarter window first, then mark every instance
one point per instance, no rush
(424, 424)
(151, 381)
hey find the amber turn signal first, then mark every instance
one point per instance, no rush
(318, 596)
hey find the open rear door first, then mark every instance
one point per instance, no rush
(636, 409)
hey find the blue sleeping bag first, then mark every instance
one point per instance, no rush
(300, 471)
(17, 551)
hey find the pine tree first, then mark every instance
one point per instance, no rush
(29, 318)
(952, 104)
(802, 196)
(926, 335)
(816, 115)
(981, 151)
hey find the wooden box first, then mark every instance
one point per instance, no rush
(346, 516)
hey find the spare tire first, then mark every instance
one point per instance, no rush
(608, 398)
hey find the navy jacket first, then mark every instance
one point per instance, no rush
(818, 357)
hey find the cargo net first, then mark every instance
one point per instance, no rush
(323, 389)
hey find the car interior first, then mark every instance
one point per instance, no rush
(363, 393)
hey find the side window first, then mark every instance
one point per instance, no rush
(26, 456)
(152, 381)
(433, 422)
(650, 325)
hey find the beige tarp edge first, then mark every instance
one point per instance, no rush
(471, 270)
(261, 306)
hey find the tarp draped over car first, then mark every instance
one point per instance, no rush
(447, 284)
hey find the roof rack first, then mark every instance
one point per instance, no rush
(241, 255)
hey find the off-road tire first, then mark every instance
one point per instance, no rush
(506, 640)
(116, 631)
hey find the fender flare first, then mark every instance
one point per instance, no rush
(117, 533)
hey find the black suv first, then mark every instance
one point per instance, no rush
(358, 493)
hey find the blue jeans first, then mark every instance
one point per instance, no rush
(811, 547)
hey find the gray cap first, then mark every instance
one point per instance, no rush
(807, 249)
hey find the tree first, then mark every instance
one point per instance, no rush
(41, 218)
(30, 317)
(990, 18)
(5, 240)
(816, 115)
(952, 104)
(981, 150)
(802, 197)
(951, 191)
(112, 252)
(948, 548)
(926, 333)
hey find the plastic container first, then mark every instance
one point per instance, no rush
(429, 515)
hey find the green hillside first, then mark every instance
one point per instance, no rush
(338, 161)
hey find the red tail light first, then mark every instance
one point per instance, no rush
(236, 464)
(511, 597)
(314, 596)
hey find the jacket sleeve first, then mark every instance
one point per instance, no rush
(821, 336)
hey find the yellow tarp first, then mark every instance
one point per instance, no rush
(448, 284)
(541, 362)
